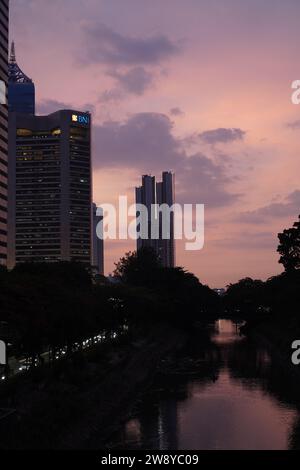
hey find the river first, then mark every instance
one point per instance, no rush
(222, 391)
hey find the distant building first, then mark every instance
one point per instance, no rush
(151, 194)
(146, 195)
(50, 187)
(165, 194)
(21, 89)
(98, 244)
(4, 23)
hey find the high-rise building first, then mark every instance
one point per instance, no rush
(145, 195)
(165, 194)
(21, 90)
(98, 243)
(153, 195)
(50, 188)
(3, 128)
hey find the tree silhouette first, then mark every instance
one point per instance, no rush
(289, 248)
(138, 267)
(174, 289)
(245, 297)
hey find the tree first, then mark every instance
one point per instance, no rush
(245, 297)
(138, 268)
(289, 248)
(174, 289)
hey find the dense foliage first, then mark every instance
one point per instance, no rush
(47, 307)
(276, 299)
(289, 247)
(180, 291)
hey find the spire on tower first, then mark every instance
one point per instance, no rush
(15, 74)
(12, 58)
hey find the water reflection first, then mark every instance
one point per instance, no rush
(222, 392)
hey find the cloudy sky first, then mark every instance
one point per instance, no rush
(200, 87)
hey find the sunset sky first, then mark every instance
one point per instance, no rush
(199, 87)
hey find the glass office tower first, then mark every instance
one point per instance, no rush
(3, 128)
(50, 188)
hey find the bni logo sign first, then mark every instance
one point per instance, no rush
(80, 118)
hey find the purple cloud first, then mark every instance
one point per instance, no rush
(110, 96)
(293, 124)
(110, 47)
(45, 107)
(176, 112)
(49, 106)
(222, 135)
(146, 143)
(202, 181)
(135, 81)
(249, 241)
(289, 207)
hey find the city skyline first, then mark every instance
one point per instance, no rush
(154, 88)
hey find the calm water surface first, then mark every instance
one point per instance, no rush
(222, 392)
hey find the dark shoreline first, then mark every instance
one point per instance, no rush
(90, 413)
(279, 345)
(83, 405)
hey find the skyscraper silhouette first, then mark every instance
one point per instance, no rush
(165, 194)
(146, 195)
(153, 195)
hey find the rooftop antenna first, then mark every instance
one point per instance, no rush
(14, 72)
(12, 58)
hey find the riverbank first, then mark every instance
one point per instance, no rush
(85, 396)
(278, 335)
